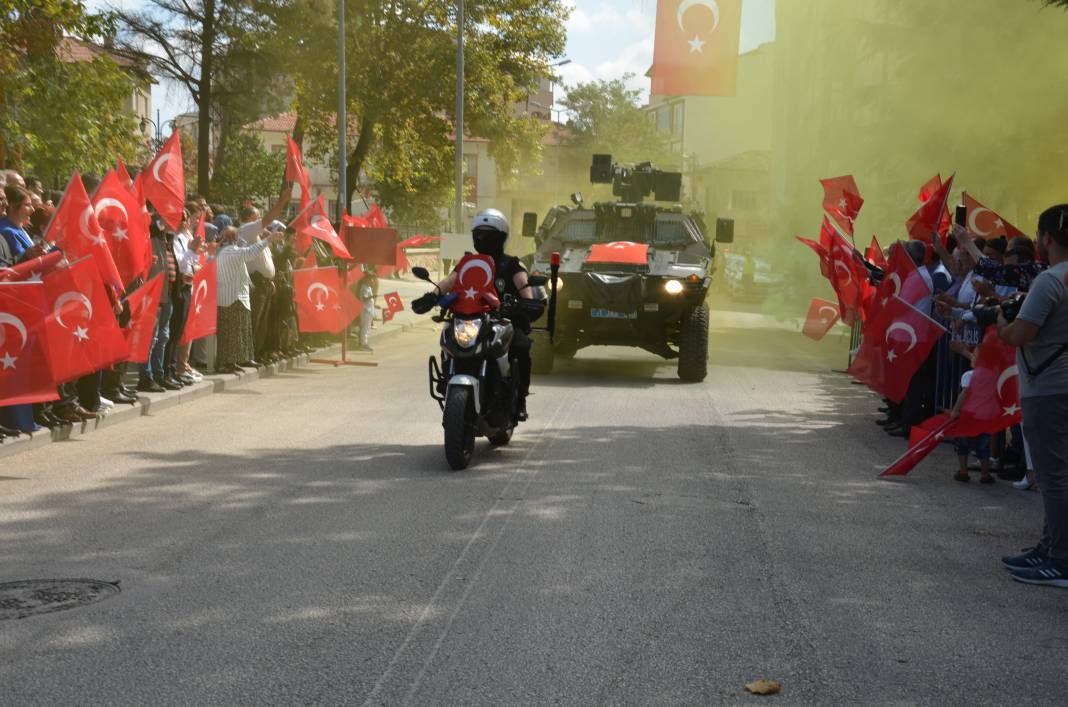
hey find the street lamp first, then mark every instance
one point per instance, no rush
(458, 128)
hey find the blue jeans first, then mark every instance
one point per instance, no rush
(1045, 424)
(980, 444)
(153, 368)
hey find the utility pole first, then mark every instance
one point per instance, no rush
(459, 127)
(342, 181)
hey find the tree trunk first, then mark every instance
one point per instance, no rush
(359, 154)
(207, 61)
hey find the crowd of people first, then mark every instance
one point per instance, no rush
(976, 283)
(254, 256)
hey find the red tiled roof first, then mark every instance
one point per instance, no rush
(283, 123)
(73, 49)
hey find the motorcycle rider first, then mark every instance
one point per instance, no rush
(489, 232)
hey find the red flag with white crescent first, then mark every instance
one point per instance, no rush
(923, 440)
(144, 310)
(849, 278)
(119, 214)
(203, 305)
(32, 270)
(695, 49)
(993, 398)
(323, 304)
(620, 253)
(841, 199)
(393, 302)
(475, 277)
(163, 182)
(24, 373)
(875, 254)
(75, 229)
(82, 335)
(933, 215)
(312, 222)
(295, 171)
(901, 278)
(822, 316)
(985, 223)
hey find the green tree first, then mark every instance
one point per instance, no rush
(400, 75)
(58, 115)
(248, 171)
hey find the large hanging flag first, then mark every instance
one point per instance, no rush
(24, 373)
(985, 223)
(933, 214)
(163, 182)
(993, 401)
(203, 307)
(841, 199)
(895, 344)
(144, 311)
(312, 222)
(695, 51)
(296, 172)
(119, 214)
(822, 316)
(81, 333)
(323, 303)
(75, 230)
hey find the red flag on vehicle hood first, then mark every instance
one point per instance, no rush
(163, 182)
(993, 401)
(841, 199)
(24, 373)
(822, 316)
(82, 335)
(144, 310)
(621, 253)
(895, 344)
(695, 49)
(322, 303)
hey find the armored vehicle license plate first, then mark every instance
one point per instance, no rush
(609, 314)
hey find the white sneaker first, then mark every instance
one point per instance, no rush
(194, 374)
(104, 402)
(1024, 484)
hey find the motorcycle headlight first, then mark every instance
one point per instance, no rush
(465, 331)
(673, 287)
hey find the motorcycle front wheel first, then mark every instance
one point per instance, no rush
(459, 427)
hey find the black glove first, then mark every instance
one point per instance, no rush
(424, 304)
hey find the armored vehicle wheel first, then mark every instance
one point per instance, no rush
(541, 354)
(459, 428)
(693, 345)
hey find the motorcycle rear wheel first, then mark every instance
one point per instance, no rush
(459, 427)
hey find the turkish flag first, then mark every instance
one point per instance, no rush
(295, 171)
(119, 214)
(355, 221)
(312, 222)
(139, 195)
(75, 230)
(822, 316)
(24, 373)
(875, 254)
(323, 303)
(163, 182)
(475, 277)
(375, 218)
(203, 307)
(393, 302)
(695, 50)
(841, 199)
(895, 344)
(621, 253)
(849, 278)
(32, 270)
(124, 176)
(924, 439)
(902, 278)
(82, 335)
(933, 215)
(821, 252)
(985, 223)
(144, 310)
(993, 401)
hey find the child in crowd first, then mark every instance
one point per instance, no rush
(980, 444)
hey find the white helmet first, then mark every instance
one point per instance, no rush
(491, 218)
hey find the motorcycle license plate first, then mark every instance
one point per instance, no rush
(609, 314)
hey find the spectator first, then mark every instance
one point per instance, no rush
(1019, 273)
(12, 179)
(20, 245)
(34, 186)
(366, 291)
(154, 378)
(234, 328)
(262, 271)
(1040, 331)
(980, 444)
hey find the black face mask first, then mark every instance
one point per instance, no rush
(491, 243)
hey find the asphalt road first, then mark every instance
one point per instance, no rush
(642, 541)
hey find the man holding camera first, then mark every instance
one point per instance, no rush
(1040, 332)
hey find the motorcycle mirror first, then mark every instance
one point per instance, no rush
(537, 280)
(422, 273)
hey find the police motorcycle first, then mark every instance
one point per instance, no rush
(472, 379)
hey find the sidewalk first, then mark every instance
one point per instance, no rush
(152, 403)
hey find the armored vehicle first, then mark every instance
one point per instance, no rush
(631, 273)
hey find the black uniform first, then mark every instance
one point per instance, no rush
(506, 268)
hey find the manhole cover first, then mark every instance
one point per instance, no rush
(30, 597)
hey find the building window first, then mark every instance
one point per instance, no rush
(663, 119)
(677, 112)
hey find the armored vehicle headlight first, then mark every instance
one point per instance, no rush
(466, 331)
(673, 287)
